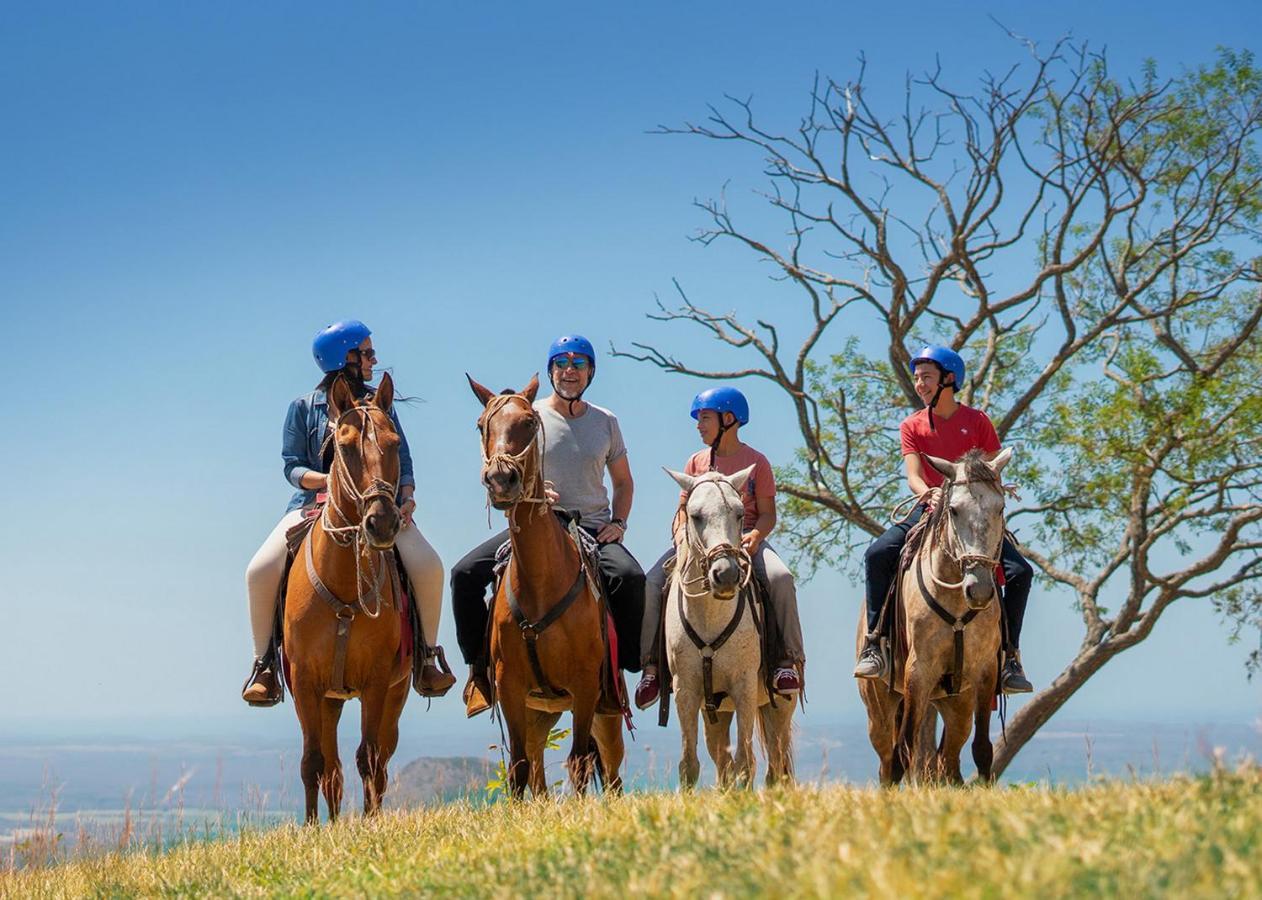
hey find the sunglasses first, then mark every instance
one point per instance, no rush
(369, 353)
(570, 362)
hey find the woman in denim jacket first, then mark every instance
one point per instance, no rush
(343, 348)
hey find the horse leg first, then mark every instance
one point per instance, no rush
(512, 699)
(379, 729)
(331, 780)
(307, 704)
(957, 716)
(776, 727)
(539, 725)
(582, 759)
(388, 734)
(718, 740)
(746, 701)
(917, 690)
(688, 704)
(983, 750)
(607, 730)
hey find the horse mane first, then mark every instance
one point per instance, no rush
(976, 468)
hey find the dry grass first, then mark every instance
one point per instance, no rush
(1184, 837)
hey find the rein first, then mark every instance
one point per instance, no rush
(952, 545)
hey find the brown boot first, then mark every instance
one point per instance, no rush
(262, 687)
(477, 692)
(435, 678)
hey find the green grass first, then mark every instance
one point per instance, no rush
(1181, 837)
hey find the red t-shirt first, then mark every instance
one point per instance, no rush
(966, 430)
(761, 484)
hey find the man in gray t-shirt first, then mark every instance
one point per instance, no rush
(582, 443)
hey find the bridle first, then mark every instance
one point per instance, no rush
(517, 463)
(699, 555)
(351, 532)
(948, 537)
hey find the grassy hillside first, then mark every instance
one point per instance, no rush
(1184, 837)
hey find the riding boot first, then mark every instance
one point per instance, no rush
(648, 690)
(477, 691)
(872, 659)
(262, 688)
(434, 678)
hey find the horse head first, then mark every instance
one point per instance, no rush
(715, 513)
(364, 476)
(970, 514)
(510, 430)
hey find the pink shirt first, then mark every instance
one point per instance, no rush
(761, 484)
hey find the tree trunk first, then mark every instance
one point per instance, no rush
(1043, 705)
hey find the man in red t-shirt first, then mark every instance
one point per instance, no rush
(720, 412)
(946, 429)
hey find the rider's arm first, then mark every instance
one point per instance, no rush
(406, 477)
(915, 474)
(293, 450)
(623, 492)
(766, 522)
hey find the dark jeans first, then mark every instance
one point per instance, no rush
(621, 574)
(881, 565)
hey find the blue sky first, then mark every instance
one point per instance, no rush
(189, 192)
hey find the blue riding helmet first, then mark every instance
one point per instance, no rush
(333, 341)
(947, 360)
(573, 343)
(722, 399)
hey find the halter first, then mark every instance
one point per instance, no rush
(351, 533)
(950, 541)
(515, 462)
(706, 557)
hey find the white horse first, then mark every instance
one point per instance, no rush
(712, 642)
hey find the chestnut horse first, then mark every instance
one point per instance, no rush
(342, 590)
(547, 634)
(948, 596)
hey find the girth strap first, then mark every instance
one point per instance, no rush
(345, 613)
(708, 650)
(530, 631)
(952, 678)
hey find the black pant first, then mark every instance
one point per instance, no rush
(619, 572)
(881, 565)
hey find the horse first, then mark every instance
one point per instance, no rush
(713, 645)
(337, 643)
(947, 594)
(547, 624)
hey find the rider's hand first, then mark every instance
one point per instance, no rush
(405, 512)
(751, 540)
(550, 493)
(930, 498)
(613, 533)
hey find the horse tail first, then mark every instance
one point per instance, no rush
(593, 754)
(774, 728)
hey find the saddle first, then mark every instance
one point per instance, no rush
(410, 627)
(769, 640)
(613, 698)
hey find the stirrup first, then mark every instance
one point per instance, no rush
(434, 658)
(270, 698)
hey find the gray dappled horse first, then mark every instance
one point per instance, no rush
(954, 570)
(708, 596)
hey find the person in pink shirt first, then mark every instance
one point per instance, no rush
(720, 413)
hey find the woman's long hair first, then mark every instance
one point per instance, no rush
(354, 380)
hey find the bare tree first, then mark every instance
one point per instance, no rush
(1092, 247)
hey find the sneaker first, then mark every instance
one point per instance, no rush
(872, 662)
(648, 690)
(435, 678)
(477, 693)
(1013, 680)
(261, 688)
(785, 680)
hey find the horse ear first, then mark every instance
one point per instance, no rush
(384, 398)
(684, 481)
(483, 394)
(1004, 457)
(740, 479)
(530, 390)
(340, 398)
(945, 468)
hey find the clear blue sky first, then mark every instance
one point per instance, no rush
(189, 191)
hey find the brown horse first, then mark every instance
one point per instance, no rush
(952, 662)
(342, 627)
(547, 633)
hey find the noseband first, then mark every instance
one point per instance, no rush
(698, 553)
(949, 537)
(517, 463)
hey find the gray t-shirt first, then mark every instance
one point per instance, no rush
(576, 454)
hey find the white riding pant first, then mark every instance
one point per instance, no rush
(263, 575)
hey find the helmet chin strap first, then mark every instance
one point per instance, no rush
(714, 446)
(934, 402)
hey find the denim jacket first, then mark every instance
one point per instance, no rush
(306, 425)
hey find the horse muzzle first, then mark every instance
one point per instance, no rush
(725, 578)
(381, 524)
(979, 588)
(503, 489)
